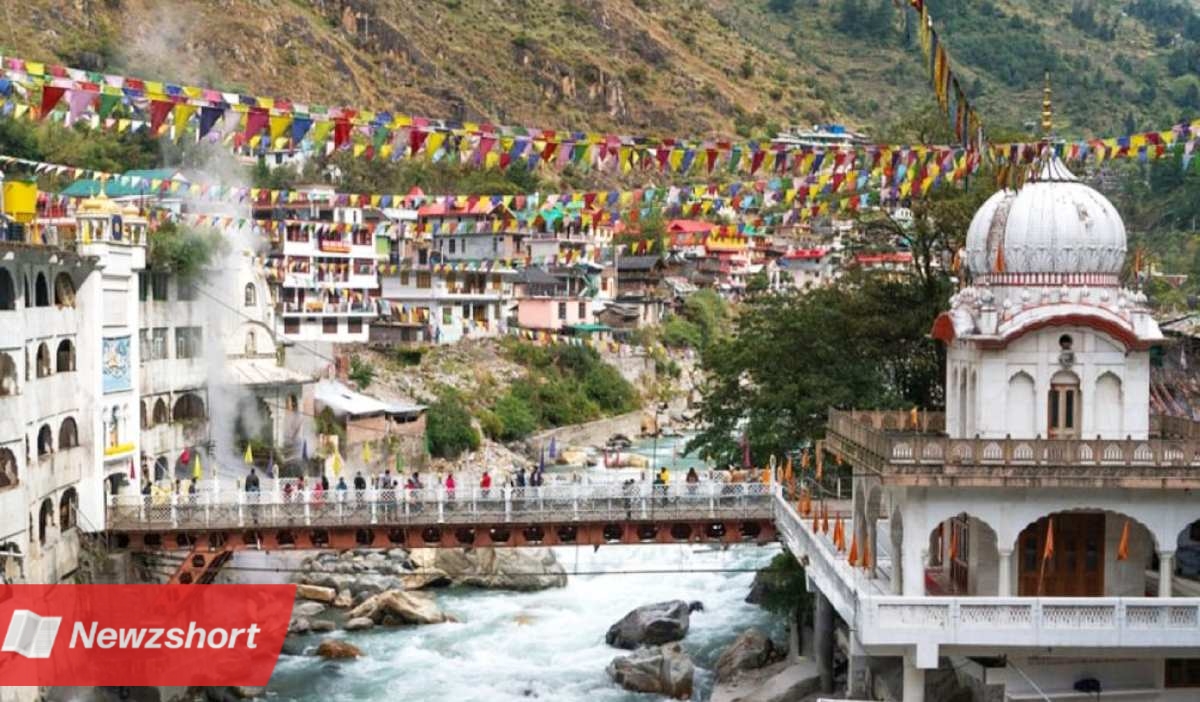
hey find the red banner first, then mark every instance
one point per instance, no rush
(129, 635)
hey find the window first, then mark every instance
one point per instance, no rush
(187, 407)
(251, 295)
(562, 310)
(329, 325)
(495, 244)
(424, 280)
(8, 291)
(160, 415)
(1064, 407)
(583, 312)
(495, 281)
(43, 361)
(64, 290)
(291, 325)
(447, 315)
(8, 375)
(158, 344)
(188, 342)
(67, 506)
(452, 246)
(404, 277)
(65, 357)
(45, 441)
(354, 325)
(1183, 672)
(41, 291)
(158, 286)
(251, 347)
(68, 434)
(8, 469)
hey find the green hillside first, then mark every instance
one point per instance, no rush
(696, 67)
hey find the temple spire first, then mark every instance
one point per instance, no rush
(1047, 109)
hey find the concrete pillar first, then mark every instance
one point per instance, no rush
(1005, 577)
(914, 681)
(873, 541)
(1166, 572)
(823, 640)
(858, 672)
(914, 563)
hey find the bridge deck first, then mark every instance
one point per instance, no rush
(559, 514)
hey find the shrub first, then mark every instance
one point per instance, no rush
(448, 427)
(678, 332)
(516, 420)
(361, 372)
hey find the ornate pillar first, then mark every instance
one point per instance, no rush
(1005, 570)
(913, 557)
(1166, 572)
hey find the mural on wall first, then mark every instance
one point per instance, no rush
(115, 364)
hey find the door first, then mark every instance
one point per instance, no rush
(1076, 566)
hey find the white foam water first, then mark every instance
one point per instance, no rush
(546, 645)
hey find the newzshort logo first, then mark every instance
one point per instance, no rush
(33, 636)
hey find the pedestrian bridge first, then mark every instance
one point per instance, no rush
(223, 518)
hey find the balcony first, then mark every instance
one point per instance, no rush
(936, 626)
(907, 453)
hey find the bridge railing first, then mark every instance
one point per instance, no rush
(609, 501)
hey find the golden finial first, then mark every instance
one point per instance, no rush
(1047, 109)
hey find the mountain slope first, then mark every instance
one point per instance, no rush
(694, 67)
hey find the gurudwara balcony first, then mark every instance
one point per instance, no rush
(912, 449)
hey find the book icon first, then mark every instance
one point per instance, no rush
(30, 634)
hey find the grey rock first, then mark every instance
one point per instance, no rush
(358, 624)
(400, 607)
(299, 625)
(319, 626)
(307, 609)
(650, 625)
(660, 670)
(751, 650)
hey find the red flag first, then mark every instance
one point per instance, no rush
(257, 120)
(159, 109)
(50, 97)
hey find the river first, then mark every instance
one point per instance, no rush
(545, 645)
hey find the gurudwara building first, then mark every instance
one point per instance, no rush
(1025, 541)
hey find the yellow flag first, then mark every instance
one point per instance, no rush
(197, 471)
(366, 453)
(337, 464)
(249, 456)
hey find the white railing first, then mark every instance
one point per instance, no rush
(984, 622)
(1027, 621)
(211, 507)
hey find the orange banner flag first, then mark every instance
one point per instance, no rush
(1123, 546)
(838, 535)
(853, 557)
(1048, 551)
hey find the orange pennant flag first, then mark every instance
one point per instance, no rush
(816, 527)
(839, 534)
(1123, 547)
(1048, 551)
(852, 559)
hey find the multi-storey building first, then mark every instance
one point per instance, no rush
(1026, 540)
(326, 265)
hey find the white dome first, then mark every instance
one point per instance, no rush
(1054, 224)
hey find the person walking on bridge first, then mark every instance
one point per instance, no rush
(485, 485)
(341, 489)
(450, 485)
(360, 487)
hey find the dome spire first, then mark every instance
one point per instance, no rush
(1047, 109)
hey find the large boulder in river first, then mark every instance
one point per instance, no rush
(499, 569)
(396, 607)
(662, 670)
(307, 609)
(751, 650)
(650, 625)
(337, 649)
(316, 593)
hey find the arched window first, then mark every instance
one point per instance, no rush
(43, 361)
(65, 357)
(8, 469)
(41, 291)
(188, 406)
(250, 345)
(1109, 406)
(8, 375)
(45, 520)
(8, 291)
(162, 467)
(251, 295)
(68, 434)
(45, 441)
(160, 412)
(1064, 406)
(64, 290)
(68, 505)
(1021, 413)
(28, 297)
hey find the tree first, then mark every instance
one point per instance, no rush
(784, 590)
(361, 372)
(448, 427)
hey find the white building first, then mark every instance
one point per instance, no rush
(1048, 436)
